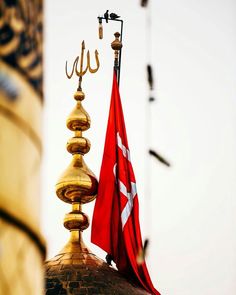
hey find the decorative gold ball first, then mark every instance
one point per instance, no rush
(116, 44)
(78, 119)
(78, 145)
(76, 220)
(77, 184)
(79, 95)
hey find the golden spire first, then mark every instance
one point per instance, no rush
(76, 270)
(77, 185)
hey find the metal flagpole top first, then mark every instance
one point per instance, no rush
(117, 43)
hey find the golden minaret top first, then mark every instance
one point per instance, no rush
(76, 270)
(77, 185)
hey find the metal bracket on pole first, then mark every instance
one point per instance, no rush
(117, 43)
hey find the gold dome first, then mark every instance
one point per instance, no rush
(76, 270)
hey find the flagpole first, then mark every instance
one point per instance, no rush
(117, 47)
(121, 34)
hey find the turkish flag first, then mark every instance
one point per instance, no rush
(115, 225)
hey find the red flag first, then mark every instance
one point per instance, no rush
(115, 226)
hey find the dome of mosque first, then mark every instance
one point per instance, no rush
(78, 271)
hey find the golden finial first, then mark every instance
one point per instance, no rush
(78, 184)
(82, 72)
(116, 45)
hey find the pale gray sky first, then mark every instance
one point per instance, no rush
(192, 204)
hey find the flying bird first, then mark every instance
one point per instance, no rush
(106, 15)
(114, 16)
(159, 157)
(150, 76)
(151, 99)
(144, 3)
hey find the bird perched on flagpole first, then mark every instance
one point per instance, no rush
(114, 16)
(106, 15)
